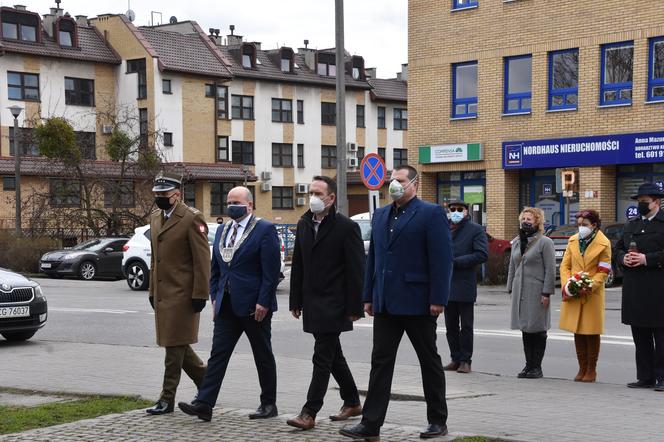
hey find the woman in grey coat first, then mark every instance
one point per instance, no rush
(531, 281)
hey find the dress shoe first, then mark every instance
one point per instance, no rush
(464, 367)
(660, 385)
(452, 366)
(264, 411)
(534, 373)
(160, 407)
(434, 430)
(197, 408)
(346, 412)
(642, 384)
(360, 432)
(522, 374)
(304, 420)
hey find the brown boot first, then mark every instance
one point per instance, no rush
(452, 366)
(464, 367)
(347, 412)
(304, 420)
(581, 344)
(593, 355)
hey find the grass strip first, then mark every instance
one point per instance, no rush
(17, 419)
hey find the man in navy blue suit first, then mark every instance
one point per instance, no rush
(246, 261)
(406, 287)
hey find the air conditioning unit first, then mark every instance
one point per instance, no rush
(302, 188)
(352, 147)
(266, 176)
(352, 162)
(266, 187)
(301, 201)
(107, 129)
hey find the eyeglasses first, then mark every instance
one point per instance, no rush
(458, 209)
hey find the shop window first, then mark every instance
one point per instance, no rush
(300, 155)
(242, 107)
(656, 70)
(518, 84)
(462, 4)
(222, 149)
(22, 86)
(300, 112)
(328, 113)
(79, 92)
(243, 152)
(359, 115)
(282, 198)
(282, 110)
(616, 81)
(328, 157)
(564, 79)
(464, 89)
(282, 155)
(400, 119)
(381, 117)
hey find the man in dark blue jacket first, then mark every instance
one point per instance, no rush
(406, 287)
(243, 286)
(470, 250)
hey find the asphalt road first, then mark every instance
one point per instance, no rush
(108, 312)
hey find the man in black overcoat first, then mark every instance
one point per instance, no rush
(326, 289)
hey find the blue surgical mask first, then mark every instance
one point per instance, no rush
(237, 211)
(456, 217)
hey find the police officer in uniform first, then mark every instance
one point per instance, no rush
(179, 284)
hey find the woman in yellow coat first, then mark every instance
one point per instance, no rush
(588, 251)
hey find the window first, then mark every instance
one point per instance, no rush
(616, 81)
(382, 152)
(190, 194)
(86, 142)
(564, 79)
(656, 70)
(10, 30)
(464, 90)
(518, 81)
(222, 102)
(282, 110)
(381, 117)
(79, 92)
(328, 157)
(66, 31)
(300, 112)
(285, 65)
(29, 147)
(461, 4)
(143, 127)
(243, 152)
(65, 38)
(209, 90)
(19, 26)
(326, 65)
(218, 193)
(328, 113)
(282, 198)
(356, 73)
(23, 86)
(138, 66)
(399, 157)
(8, 183)
(242, 107)
(300, 155)
(286, 60)
(64, 193)
(168, 139)
(248, 56)
(166, 86)
(282, 155)
(122, 193)
(360, 153)
(359, 115)
(400, 119)
(222, 149)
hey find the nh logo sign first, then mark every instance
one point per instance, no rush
(513, 154)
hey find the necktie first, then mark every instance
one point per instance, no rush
(231, 243)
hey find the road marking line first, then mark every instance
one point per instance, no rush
(91, 310)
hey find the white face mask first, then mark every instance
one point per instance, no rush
(316, 205)
(584, 232)
(397, 189)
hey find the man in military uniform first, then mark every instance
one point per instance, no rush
(179, 284)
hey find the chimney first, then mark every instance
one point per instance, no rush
(82, 20)
(404, 72)
(370, 72)
(20, 7)
(48, 21)
(232, 39)
(257, 44)
(309, 55)
(214, 36)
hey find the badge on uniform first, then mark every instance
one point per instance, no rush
(201, 228)
(227, 253)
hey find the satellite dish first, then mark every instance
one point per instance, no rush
(131, 15)
(173, 20)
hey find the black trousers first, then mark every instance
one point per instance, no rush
(649, 343)
(329, 359)
(228, 329)
(387, 333)
(459, 318)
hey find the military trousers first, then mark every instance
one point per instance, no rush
(178, 358)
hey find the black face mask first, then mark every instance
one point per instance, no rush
(527, 228)
(644, 208)
(163, 202)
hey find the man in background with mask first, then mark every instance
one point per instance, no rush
(326, 289)
(246, 260)
(470, 250)
(406, 287)
(179, 278)
(641, 253)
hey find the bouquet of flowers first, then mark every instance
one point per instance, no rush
(579, 284)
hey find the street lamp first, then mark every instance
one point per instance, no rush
(16, 111)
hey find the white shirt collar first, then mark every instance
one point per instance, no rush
(244, 222)
(170, 212)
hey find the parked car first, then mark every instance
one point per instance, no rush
(364, 221)
(137, 252)
(99, 257)
(23, 308)
(499, 252)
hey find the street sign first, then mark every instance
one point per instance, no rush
(374, 201)
(372, 171)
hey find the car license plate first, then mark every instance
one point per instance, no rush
(46, 265)
(559, 253)
(15, 312)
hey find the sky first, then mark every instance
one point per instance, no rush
(376, 30)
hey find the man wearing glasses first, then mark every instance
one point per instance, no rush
(246, 261)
